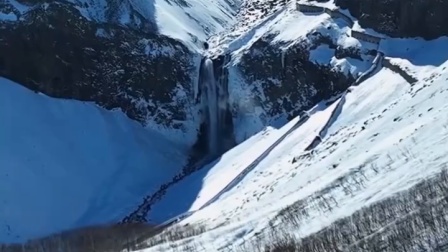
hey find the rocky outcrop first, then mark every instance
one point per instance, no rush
(398, 18)
(55, 50)
(399, 70)
(287, 82)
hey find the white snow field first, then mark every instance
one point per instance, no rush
(66, 163)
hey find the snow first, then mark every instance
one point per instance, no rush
(322, 55)
(182, 22)
(102, 33)
(67, 163)
(190, 22)
(251, 117)
(282, 26)
(286, 27)
(225, 169)
(418, 51)
(11, 16)
(8, 16)
(394, 133)
(22, 8)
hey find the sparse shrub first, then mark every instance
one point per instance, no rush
(174, 233)
(102, 238)
(412, 220)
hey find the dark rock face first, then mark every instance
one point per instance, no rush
(130, 13)
(54, 50)
(354, 53)
(401, 18)
(291, 84)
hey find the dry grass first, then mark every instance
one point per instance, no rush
(412, 220)
(173, 234)
(103, 238)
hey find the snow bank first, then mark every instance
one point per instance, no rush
(66, 163)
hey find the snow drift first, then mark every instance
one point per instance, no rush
(65, 163)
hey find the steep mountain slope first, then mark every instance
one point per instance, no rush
(375, 144)
(388, 137)
(140, 56)
(371, 122)
(278, 70)
(66, 164)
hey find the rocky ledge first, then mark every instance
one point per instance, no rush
(285, 81)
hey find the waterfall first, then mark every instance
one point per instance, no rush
(210, 105)
(216, 134)
(283, 59)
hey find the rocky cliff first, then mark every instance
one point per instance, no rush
(287, 80)
(116, 56)
(401, 18)
(108, 52)
(53, 50)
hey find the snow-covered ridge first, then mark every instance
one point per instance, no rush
(194, 22)
(66, 164)
(191, 22)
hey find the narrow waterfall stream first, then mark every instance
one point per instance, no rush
(216, 116)
(210, 105)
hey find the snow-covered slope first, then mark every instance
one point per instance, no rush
(272, 41)
(191, 22)
(194, 21)
(388, 137)
(66, 163)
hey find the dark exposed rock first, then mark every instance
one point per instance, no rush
(319, 39)
(401, 18)
(296, 85)
(113, 12)
(206, 45)
(54, 50)
(402, 72)
(354, 53)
